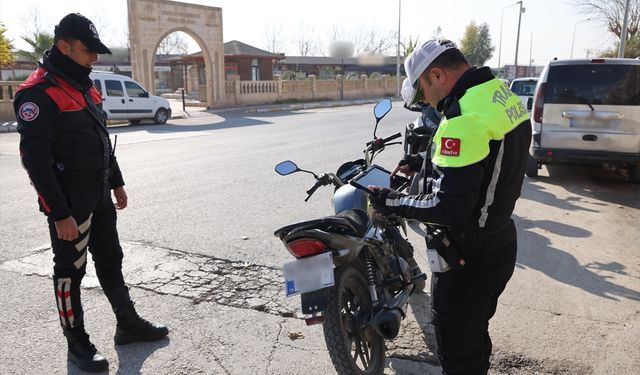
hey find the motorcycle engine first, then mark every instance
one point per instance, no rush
(400, 267)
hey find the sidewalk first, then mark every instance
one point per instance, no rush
(195, 111)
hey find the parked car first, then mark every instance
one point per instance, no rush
(525, 88)
(588, 111)
(126, 99)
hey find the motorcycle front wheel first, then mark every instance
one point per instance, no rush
(354, 347)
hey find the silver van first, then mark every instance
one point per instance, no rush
(587, 111)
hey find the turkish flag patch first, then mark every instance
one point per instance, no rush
(450, 146)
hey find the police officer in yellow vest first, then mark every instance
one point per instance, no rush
(477, 168)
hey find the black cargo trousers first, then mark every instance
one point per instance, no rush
(463, 301)
(95, 214)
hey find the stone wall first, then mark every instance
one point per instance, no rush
(278, 91)
(7, 91)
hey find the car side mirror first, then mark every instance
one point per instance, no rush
(144, 94)
(529, 103)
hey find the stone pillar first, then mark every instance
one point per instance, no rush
(365, 87)
(312, 78)
(278, 79)
(340, 86)
(237, 82)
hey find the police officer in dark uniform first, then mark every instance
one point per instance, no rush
(66, 150)
(474, 178)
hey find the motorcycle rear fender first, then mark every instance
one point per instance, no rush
(314, 302)
(345, 248)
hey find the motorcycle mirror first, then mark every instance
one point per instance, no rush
(286, 167)
(380, 110)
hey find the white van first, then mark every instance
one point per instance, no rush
(588, 111)
(125, 99)
(524, 88)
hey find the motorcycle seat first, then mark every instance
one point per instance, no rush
(351, 222)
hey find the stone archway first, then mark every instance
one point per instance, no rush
(150, 21)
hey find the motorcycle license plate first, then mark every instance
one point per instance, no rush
(308, 274)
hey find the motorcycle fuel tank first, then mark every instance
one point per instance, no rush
(348, 197)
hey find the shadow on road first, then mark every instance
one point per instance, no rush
(535, 251)
(231, 119)
(131, 357)
(421, 306)
(584, 181)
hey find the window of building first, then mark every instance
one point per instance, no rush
(114, 88)
(255, 70)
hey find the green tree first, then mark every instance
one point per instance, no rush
(6, 55)
(631, 48)
(39, 42)
(410, 46)
(476, 43)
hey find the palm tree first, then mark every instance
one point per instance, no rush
(40, 42)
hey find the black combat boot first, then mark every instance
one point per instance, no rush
(132, 328)
(82, 352)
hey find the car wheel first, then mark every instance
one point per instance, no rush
(634, 173)
(531, 169)
(134, 122)
(161, 116)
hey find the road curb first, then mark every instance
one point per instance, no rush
(8, 126)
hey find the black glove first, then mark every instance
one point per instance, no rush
(379, 197)
(413, 161)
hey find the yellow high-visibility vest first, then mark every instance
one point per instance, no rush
(488, 112)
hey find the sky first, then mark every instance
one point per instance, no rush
(546, 31)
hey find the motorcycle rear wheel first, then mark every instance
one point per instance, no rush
(354, 347)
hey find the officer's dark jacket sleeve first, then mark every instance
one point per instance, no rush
(451, 203)
(115, 178)
(36, 143)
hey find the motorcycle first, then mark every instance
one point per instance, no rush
(354, 271)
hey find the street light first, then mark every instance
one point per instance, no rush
(518, 37)
(500, 44)
(573, 38)
(398, 51)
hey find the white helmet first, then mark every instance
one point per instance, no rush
(422, 57)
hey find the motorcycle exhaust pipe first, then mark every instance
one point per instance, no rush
(387, 321)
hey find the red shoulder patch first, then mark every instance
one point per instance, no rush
(450, 146)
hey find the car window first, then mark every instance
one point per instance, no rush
(98, 85)
(594, 84)
(524, 87)
(114, 88)
(134, 90)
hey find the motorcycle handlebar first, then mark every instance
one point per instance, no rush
(385, 140)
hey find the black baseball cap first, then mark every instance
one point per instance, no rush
(77, 26)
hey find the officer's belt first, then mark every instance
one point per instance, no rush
(75, 178)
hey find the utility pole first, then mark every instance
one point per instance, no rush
(530, 48)
(623, 34)
(518, 37)
(398, 85)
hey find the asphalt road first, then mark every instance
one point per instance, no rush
(201, 257)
